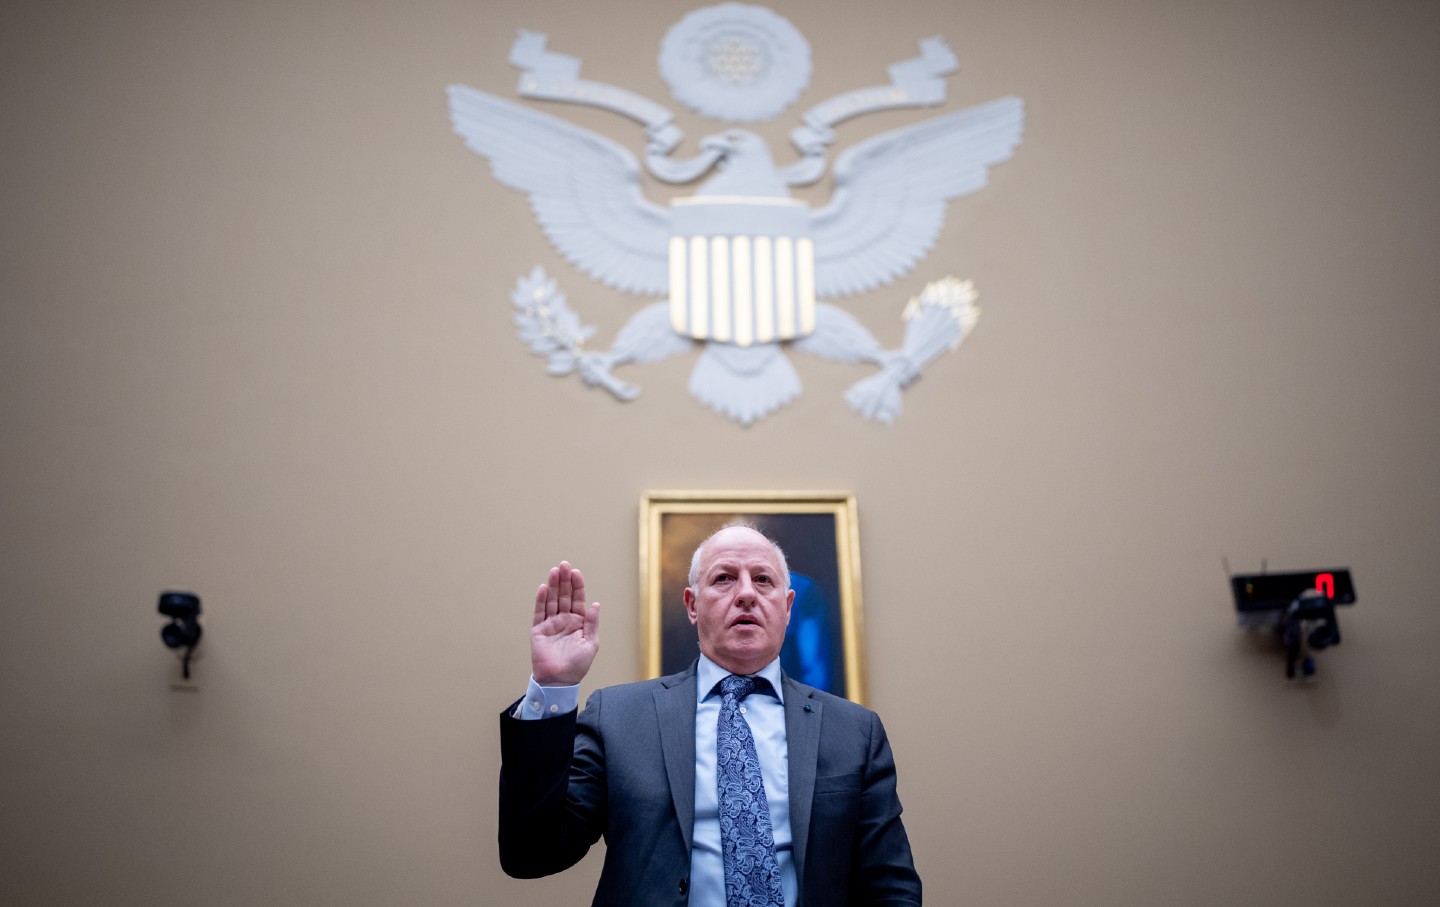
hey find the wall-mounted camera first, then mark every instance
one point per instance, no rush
(1299, 606)
(184, 630)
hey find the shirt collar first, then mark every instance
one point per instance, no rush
(709, 673)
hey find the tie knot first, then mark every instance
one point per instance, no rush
(741, 685)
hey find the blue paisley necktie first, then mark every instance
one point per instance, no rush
(747, 842)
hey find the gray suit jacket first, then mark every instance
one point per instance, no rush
(625, 768)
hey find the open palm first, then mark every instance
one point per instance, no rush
(564, 636)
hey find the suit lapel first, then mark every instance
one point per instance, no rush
(802, 741)
(675, 707)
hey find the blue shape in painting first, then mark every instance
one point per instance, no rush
(813, 652)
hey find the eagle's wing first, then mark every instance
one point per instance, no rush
(891, 191)
(584, 188)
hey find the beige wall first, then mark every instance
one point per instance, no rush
(255, 341)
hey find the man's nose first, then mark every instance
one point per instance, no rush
(745, 592)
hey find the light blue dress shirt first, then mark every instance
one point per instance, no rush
(766, 717)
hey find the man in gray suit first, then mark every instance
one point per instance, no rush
(639, 765)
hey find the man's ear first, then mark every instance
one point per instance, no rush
(690, 604)
(789, 600)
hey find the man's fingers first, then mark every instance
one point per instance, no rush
(577, 592)
(592, 623)
(552, 592)
(562, 593)
(564, 604)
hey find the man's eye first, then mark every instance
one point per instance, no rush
(763, 578)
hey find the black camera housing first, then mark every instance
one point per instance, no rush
(184, 630)
(1299, 605)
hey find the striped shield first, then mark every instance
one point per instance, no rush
(742, 269)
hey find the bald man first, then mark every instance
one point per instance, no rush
(652, 765)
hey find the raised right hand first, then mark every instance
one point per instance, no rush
(565, 633)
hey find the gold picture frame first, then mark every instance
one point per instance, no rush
(820, 536)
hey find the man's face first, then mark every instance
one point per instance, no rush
(739, 604)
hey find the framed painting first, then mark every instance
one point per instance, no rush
(821, 540)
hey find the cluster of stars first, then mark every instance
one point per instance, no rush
(735, 60)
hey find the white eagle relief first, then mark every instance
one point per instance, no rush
(739, 265)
